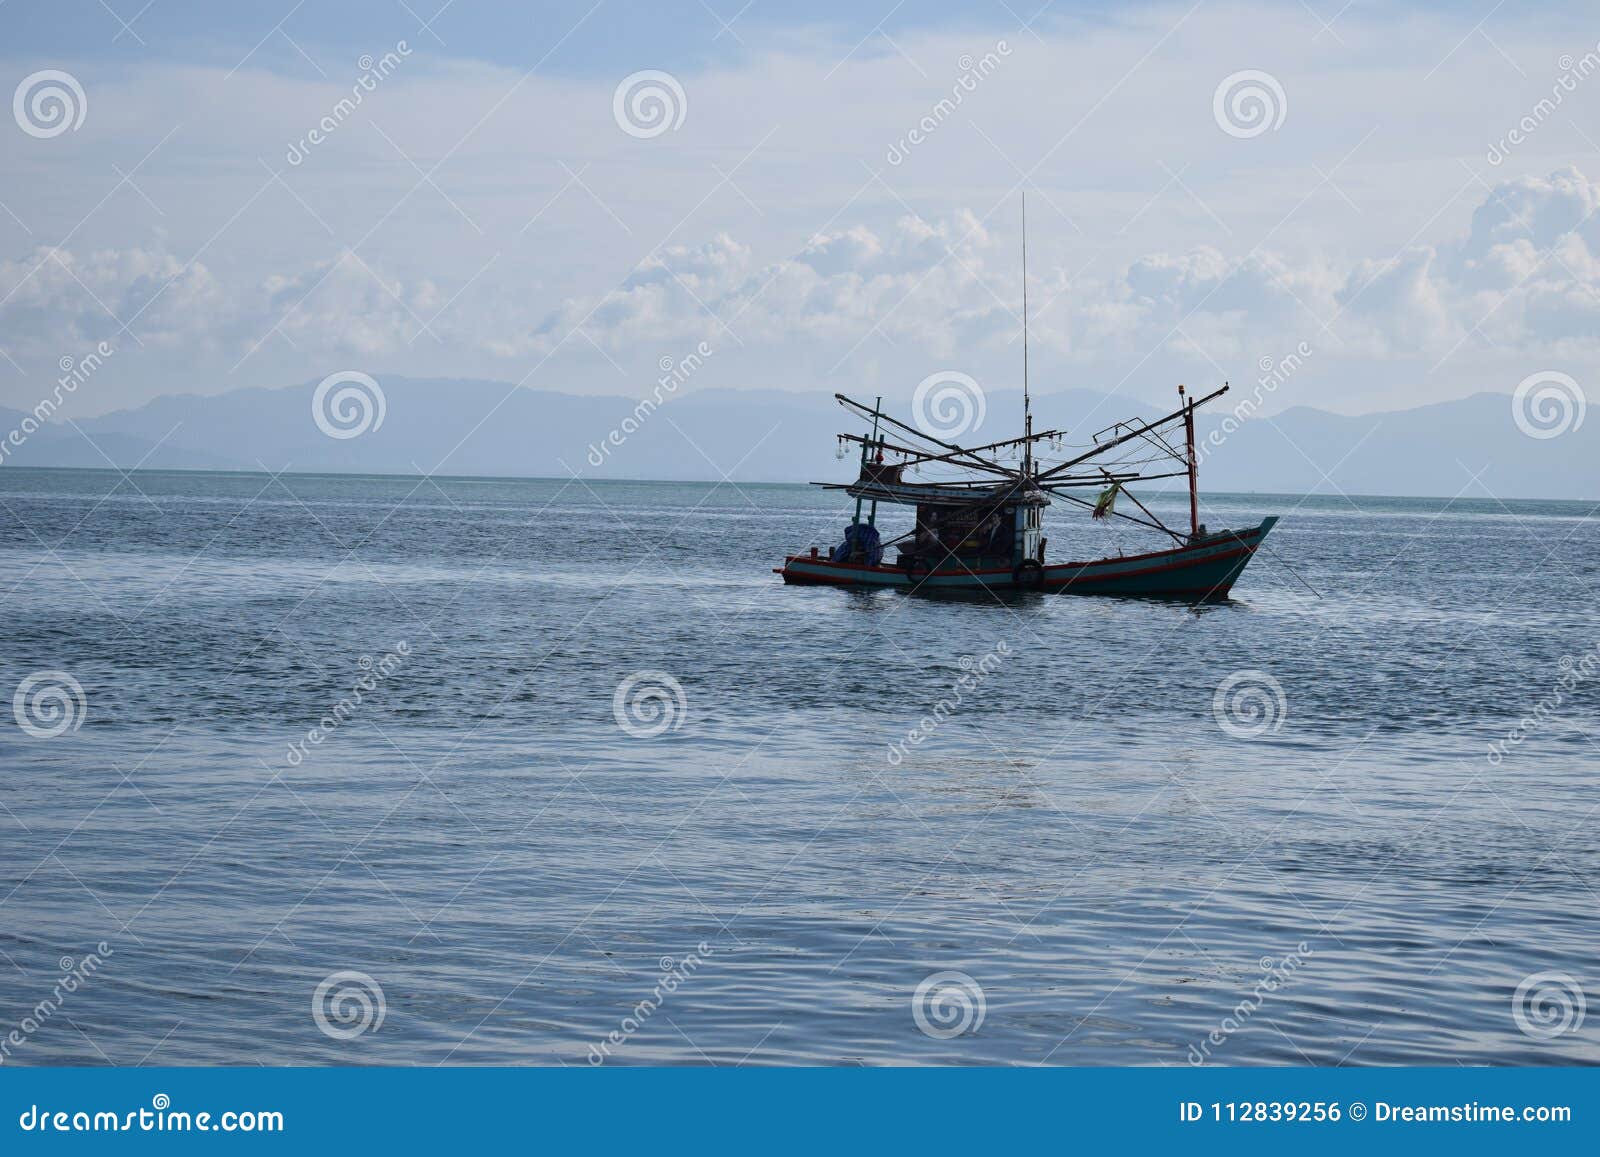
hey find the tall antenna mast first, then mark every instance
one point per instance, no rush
(1027, 412)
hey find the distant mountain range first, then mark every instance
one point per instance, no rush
(484, 428)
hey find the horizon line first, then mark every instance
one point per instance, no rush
(353, 474)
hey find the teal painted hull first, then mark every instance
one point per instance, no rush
(1205, 570)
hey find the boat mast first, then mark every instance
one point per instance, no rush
(877, 451)
(1027, 413)
(1188, 435)
(867, 447)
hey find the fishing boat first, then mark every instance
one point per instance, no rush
(986, 531)
(981, 525)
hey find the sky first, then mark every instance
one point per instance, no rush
(826, 196)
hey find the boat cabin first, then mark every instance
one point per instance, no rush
(972, 536)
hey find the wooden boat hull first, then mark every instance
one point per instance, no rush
(1203, 570)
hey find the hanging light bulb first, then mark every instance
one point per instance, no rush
(839, 453)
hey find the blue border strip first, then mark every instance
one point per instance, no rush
(879, 1111)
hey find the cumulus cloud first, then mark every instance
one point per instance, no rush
(61, 300)
(454, 226)
(1525, 276)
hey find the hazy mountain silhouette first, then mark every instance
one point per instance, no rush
(492, 428)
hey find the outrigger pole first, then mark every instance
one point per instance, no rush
(1144, 428)
(954, 450)
(922, 457)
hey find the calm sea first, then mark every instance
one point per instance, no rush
(373, 770)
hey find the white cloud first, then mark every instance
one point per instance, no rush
(469, 220)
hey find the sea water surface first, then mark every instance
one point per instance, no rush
(351, 781)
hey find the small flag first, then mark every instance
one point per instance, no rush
(1107, 501)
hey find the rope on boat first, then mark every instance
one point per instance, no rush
(1290, 569)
